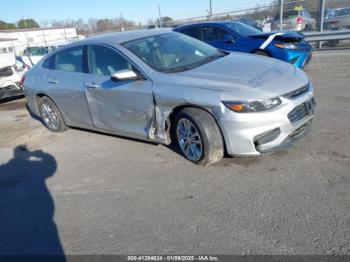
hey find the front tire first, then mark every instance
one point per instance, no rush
(198, 136)
(51, 116)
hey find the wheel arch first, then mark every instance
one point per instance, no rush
(41, 95)
(177, 109)
(261, 50)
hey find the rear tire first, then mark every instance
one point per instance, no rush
(50, 115)
(261, 52)
(198, 136)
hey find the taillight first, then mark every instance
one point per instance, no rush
(22, 80)
(299, 20)
(333, 22)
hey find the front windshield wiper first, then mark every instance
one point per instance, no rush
(206, 60)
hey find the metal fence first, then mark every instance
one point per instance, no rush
(295, 15)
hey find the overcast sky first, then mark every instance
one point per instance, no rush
(136, 10)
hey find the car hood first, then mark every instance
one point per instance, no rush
(286, 36)
(245, 75)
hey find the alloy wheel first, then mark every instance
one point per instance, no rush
(189, 139)
(49, 116)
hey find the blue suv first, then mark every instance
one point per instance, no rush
(235, 36)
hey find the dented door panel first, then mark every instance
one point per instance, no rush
(124, 107)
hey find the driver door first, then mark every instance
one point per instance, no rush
(123, 107)
(217, 37)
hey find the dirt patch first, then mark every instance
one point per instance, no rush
(19, 128)
(13, 104)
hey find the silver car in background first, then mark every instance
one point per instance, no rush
(295, 20)
(340, 20)
(165, 87)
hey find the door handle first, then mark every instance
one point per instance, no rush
(52, 81)
(92, 86)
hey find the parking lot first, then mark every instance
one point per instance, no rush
(91, 193)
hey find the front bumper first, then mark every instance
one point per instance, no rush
(11, 91)
(298, 58)
(242, 131)
(291, 139)
(10, 85)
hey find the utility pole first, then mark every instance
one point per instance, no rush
(122, 22)
(281, 14)
(322, 8)
(160, 17)
(210, 10)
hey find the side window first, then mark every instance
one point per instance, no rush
(70, 60)
(193, 32)
(49, 63)
(105, 61)
(213, 33)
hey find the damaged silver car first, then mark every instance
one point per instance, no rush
(165, 87)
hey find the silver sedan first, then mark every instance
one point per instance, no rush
(165, 87)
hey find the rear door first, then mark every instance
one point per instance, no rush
(64, 83)
(123, 107)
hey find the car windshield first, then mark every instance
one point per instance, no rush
(242, 29)
(172, 52)
(37, 51)
(345, 11)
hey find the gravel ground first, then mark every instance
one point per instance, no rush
(81, 192)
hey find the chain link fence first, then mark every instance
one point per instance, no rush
(294, 15)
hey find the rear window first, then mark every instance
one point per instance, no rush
(287, 14)
(70, 60)
(50, 63)
(342, 12)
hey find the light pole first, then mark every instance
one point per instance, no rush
(160, 17)
(210, 10)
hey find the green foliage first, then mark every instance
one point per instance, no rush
(11, 26)
(28, 23)
(7, 26)
(166, 21)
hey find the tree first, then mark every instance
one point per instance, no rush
(7, 26)
(3, 25)
(28, 23)
(166, 21)
(92, 24)
(11, 26)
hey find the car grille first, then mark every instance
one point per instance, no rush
(297, 92)
(6, 71)
(301, 111)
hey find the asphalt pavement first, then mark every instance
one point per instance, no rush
(81, 192)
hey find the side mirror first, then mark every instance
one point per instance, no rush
(125, 74)
(228, 38)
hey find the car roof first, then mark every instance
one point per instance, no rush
(209, 23)
(118, 37)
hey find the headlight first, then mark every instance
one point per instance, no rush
(258, 105)
(286, 45)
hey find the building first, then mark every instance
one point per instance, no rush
(20, 39)
(7, 45)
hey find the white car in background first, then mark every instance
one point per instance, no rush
(11, 73)
(34, 54)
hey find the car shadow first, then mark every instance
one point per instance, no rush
(10, 99)
(27, 207)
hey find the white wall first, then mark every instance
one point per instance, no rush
(39, 37)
